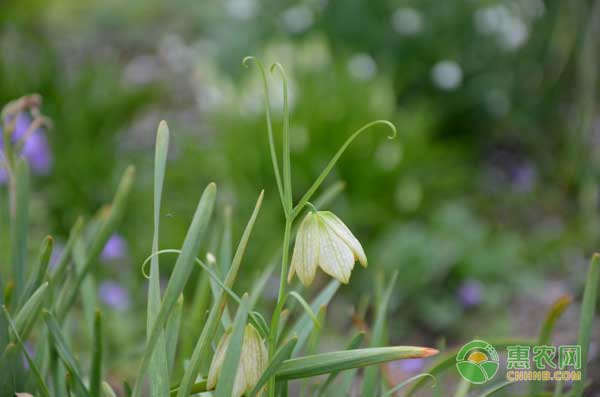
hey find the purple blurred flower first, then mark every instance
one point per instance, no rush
(411, 366)
(115, 248)
(114, 295)
(35, 147)
(57, 253)
(470, 293)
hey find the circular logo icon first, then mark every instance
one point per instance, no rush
(477, 362)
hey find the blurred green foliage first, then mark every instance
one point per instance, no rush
(494, 176)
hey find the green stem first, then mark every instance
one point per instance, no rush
(280, 298)
(287, 173)
(269, 129)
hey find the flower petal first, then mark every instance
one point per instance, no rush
(346, 235)
(306, 251)
(254, 357)
(217, 361)
(335, 257)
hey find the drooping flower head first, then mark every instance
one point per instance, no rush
(253, 361)
(35, 147)
(324, 241)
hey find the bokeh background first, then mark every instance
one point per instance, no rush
(487, 203)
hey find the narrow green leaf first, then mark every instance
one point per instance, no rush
(26, 316)
(65, 354)
(307, 308)
(158, 370)
(225, 246)
(19, 226)
(202, 346)
(39, 272)
(113, 217)
(232, 360)
(196, 315)
(324, 363)
(43, 389)
(353, 344)
(307, 196)
(96, 371)
(259, 322)
(284, 353)
(179, 277)
(88, 287)
(406, 382)
(107, 390)
(302, 327)
(369, 384)
(588, 309)
(553, 315)
(172, 332)
(63, 261)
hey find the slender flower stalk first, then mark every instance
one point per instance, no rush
(345, 242)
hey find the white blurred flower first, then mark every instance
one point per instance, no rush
(510, 29)
(241, 9)
(407, 21)
(297, 19)
(447, 75)
(253, 361)
(362, 66)
(324, 241)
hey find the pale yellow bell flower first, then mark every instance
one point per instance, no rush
(253, 361)
(324, 241)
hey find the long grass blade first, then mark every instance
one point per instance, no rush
(202, 346)
(369, 384)
(179, 277)
(353, 344)
(158, 370)
(307, 308)
(588, 309)
(302, 327)
(19, 226)
(26, 316)
(324, 363)
(113, 217)
(96, 371)
(545, 335)
(403, 384)
(231, 362)
(39, 272)
(43, 389)
(172, 332)
(63, 262)
(65, 353)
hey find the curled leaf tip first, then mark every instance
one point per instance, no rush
(247, 60)
(162, 124)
